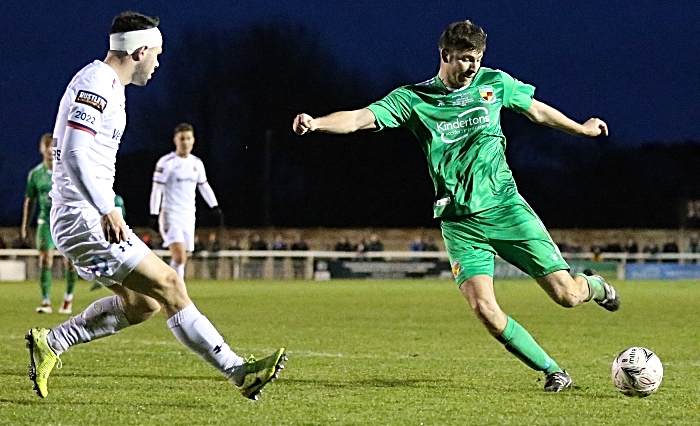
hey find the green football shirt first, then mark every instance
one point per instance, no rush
(38, 187)
(460, 133)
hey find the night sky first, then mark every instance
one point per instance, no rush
(632, 63)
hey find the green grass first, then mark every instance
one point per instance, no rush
(362, 352)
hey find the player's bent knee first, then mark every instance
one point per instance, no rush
(487, 312)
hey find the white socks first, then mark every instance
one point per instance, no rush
(195, 331)
(179, 268)
(103, 317)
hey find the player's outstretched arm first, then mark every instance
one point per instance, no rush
(542, 113)
(340, 122)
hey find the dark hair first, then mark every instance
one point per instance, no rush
(132, 21)
(463, 35)
(183, 127)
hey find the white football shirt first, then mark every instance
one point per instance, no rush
(94, 102)
(180, 178)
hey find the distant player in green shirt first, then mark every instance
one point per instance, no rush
(456, 118)
(38, 187)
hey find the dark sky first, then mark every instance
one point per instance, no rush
(632, 63)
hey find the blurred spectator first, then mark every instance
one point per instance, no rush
(198, 246)
(299, 263)
(343, 245)
(613, 247)
(417, 244)
(671, 246)
(234, 244)
(256, 265)
(279, 243)
(631, 246)
(375, 244)
(693, 244)
(2, 242)
(361, 245)
(278, 261)
(430, 245)
(212, 246)
(596, 252)
(651, 248)
(257, 243)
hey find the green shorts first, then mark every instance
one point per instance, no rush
(43, 235)
(514, 233)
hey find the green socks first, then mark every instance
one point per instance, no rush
(45, 283)
(71, 278)
(595, 288)
(521, 344)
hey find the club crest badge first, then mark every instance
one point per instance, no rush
(487, 94)
(456, 267)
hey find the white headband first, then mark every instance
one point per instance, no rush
(131, 40)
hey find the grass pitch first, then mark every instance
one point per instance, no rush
(362, 352)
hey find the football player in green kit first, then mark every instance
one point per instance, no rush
(456, 118)
(38, 187)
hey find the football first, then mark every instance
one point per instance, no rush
(637, 372)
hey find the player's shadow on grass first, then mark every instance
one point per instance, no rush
(377, 383)
(43, 402)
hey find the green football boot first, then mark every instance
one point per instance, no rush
(258, 373)
(42, 360)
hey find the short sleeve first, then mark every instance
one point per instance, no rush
(393, 110)
(202, 173)
(516, 94)
(160, 174)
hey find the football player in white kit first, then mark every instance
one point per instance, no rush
(90, 231)
(177, 176)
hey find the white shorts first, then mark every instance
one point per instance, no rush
(77, 233)
(177, 229)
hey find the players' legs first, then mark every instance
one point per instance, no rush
(564, 289)
(71, 279)
(45, 279)
(178, 260)
(478, 290)
(104, 317)
(519, 237)
(570, 291)
(153, 278)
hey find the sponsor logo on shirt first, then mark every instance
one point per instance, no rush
(91, 99)
(487, 94)
(461, 99)
(452, 131)
(117, 134)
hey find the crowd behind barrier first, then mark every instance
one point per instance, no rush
(293, 253)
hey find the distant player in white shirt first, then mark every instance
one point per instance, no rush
(177, 176)
(89, 230)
